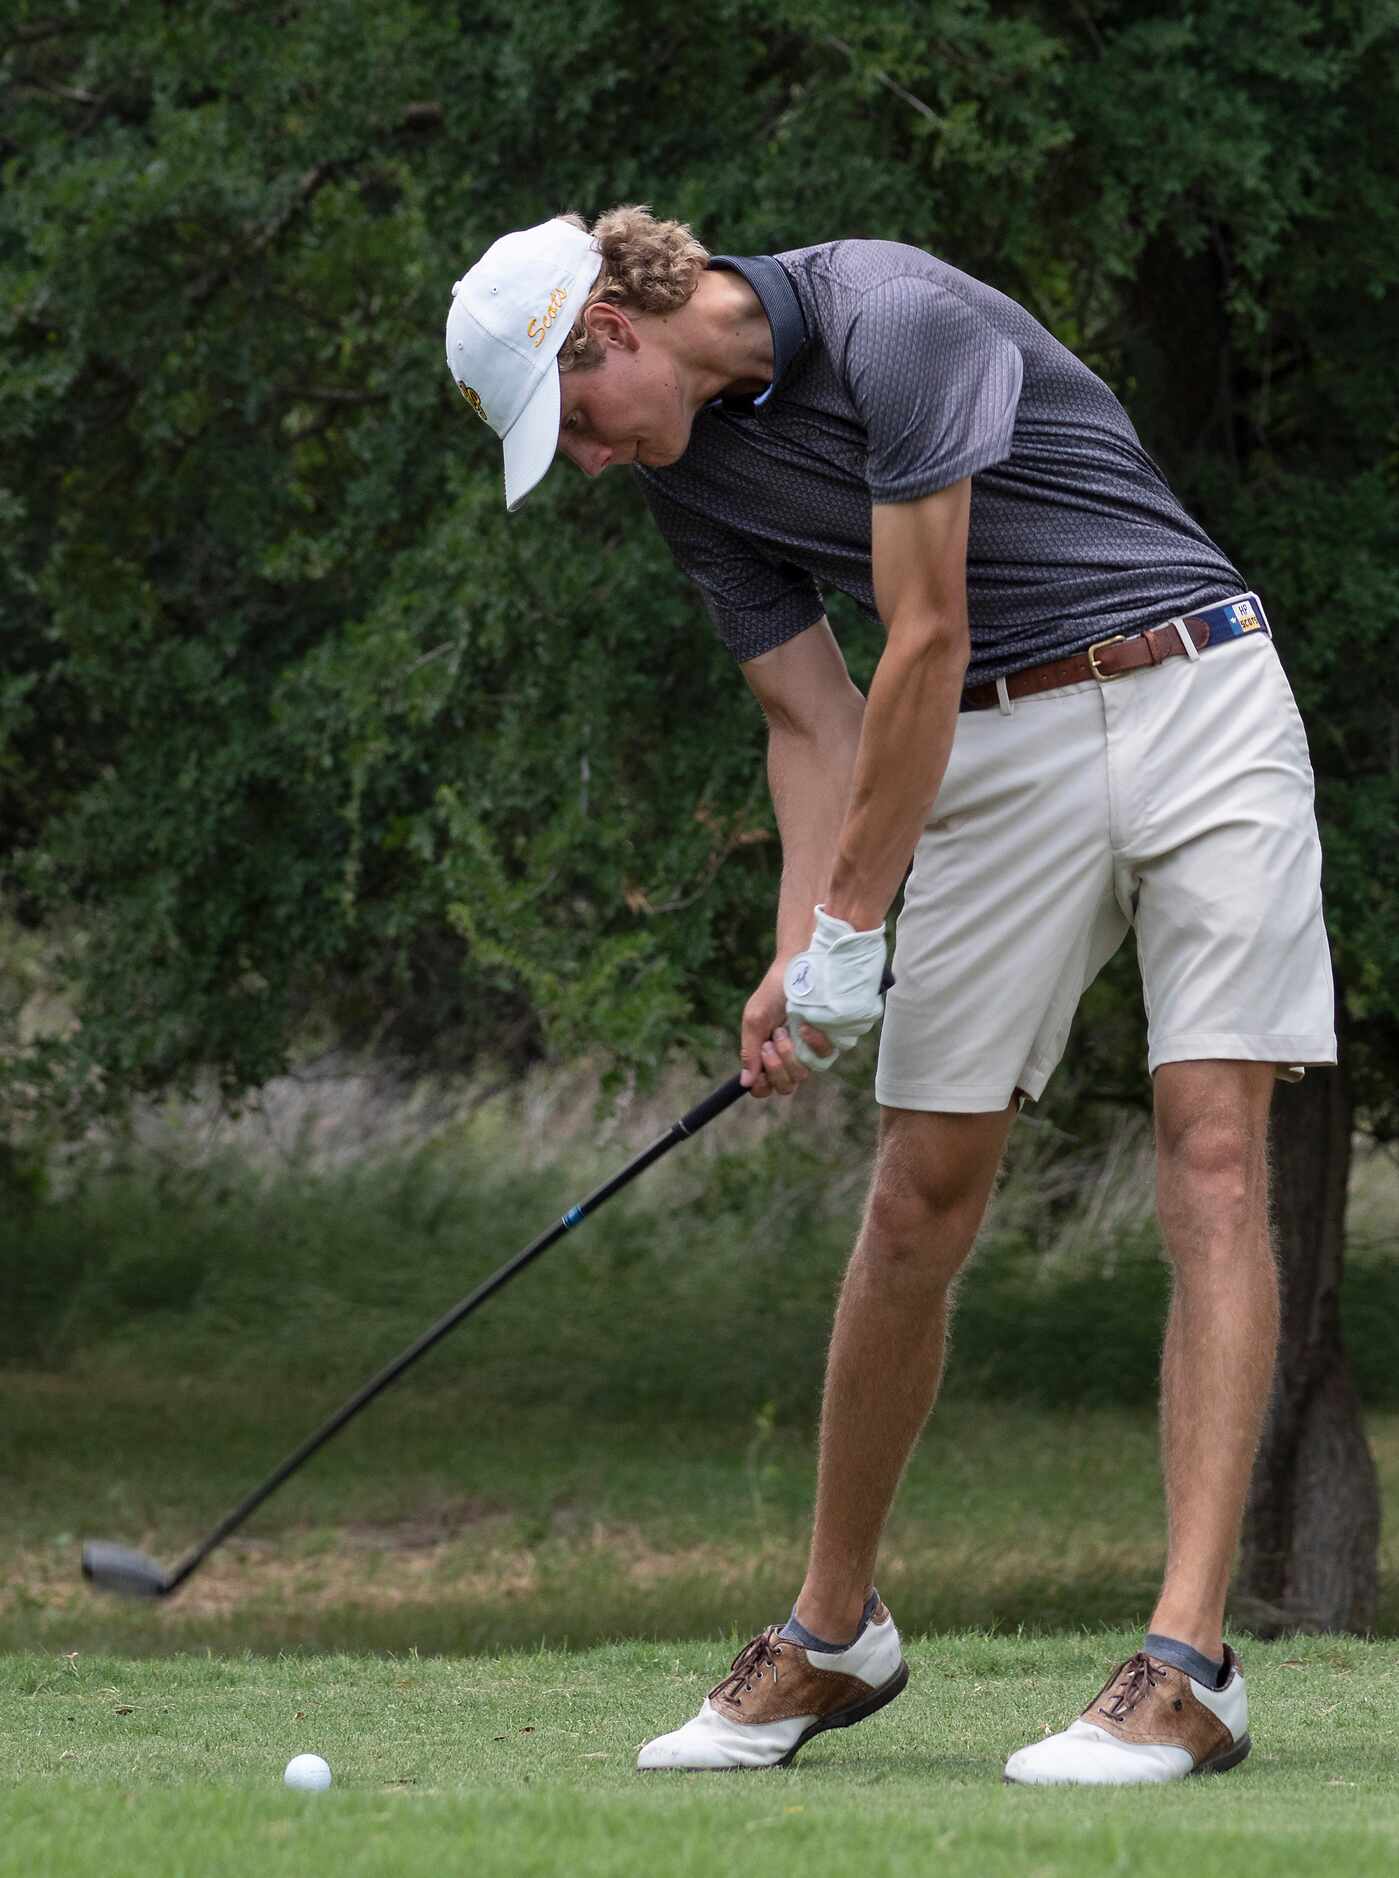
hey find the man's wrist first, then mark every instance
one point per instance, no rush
(864, 916)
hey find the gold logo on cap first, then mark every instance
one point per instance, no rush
(542, 322)
(473, 398)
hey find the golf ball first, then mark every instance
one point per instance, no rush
(308, 1772)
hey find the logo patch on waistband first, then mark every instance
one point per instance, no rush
(1245, 619)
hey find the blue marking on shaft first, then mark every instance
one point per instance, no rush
(572, 1216)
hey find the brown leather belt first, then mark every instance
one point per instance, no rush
(1108, 659)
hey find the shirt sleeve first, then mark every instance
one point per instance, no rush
(936, 386)
(757, 601)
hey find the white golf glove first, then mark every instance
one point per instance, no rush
(835, 986)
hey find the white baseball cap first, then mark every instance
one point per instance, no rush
(510, 315)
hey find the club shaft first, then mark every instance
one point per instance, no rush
(689, 1124)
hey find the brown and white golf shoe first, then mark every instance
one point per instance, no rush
(777, 1695)
(1149, 1722)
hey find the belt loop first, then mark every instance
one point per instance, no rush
(1003, 698)
(1192, 651)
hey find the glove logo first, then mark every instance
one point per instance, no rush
(800, 978)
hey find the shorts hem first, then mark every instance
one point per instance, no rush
(1312, 1052)
(979, 1099)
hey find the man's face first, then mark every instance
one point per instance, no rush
(629, 409)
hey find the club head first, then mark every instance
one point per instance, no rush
(130, 1574)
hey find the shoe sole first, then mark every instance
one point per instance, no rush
(845, 1717)
(1217, 1764)
(1227, 1757)
(842, 1718)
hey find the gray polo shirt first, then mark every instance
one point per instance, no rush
(895, 375)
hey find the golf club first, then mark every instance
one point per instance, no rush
(133, 1574)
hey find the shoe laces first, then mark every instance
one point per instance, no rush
(750, 1663)
(1137, 1677)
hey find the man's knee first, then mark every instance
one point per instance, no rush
(1212, 1148)
(932, 1180)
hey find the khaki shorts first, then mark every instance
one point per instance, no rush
(1177, 801)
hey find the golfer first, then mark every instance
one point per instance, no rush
(1078, 726)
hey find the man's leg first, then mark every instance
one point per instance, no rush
(1221, 1336)
(1167, 1712)
(932, 1179)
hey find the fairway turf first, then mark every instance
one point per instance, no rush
(537, 1485)
(436, 1524)
(523, 1764)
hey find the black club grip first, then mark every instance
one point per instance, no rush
(729, 1092)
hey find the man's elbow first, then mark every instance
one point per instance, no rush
(834, 718)
(932, 640)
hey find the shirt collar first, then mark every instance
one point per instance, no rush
(768, 279)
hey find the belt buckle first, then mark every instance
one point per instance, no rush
(1104, 678)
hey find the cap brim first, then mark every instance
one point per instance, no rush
(532, 439)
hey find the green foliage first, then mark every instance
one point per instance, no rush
(656, 1303)
(295, 723)
(1337, 599)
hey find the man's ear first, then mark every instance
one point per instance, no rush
(611, 325)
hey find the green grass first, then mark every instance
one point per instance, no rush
(620, 1448)
(621, 1444)
(704, 1291)
(432, 1525)
(522, 1764)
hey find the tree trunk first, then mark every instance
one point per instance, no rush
(1311, 1531)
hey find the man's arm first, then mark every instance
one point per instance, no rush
(853, 787)
(814, 715)
(919, 551)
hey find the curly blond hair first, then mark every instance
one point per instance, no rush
(648, 266)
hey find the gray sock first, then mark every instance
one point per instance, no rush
(1179, 1655)
(796, 1632)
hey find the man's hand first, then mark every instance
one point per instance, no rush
(770, 1062)
(835, 987)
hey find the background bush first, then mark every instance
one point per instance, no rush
(705, 1292)
(299, 731)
